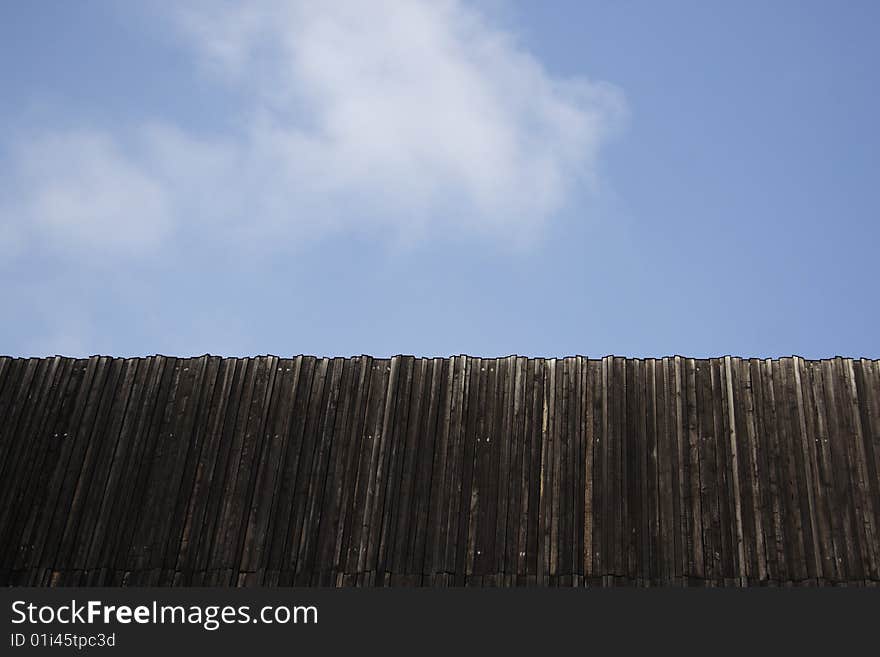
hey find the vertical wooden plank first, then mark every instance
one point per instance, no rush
(66, 511)
(579, 417)
(806, 448)
(759, 438)
(203, 511)
(397, 435)
(181, 448)
(734, 468)
(506, 446)
(869, 408)
(17, 448)
(489, 510)
(95, 526)
(379, 469)
(534, 436)
(325, 570)
(321, 462)
(546, 468)
(555, 428)
(797, 474)
(455, 460)
(19, 490)
(10, 378)
(666, 488)
(252, 448)
(843, 506)
(131, 472)
(225, 553)
(189, 513)
(696, 515)
(32, 504)
(51, 476)
(469, 559)
(679, 474)
(859, 471)
(426, 445)
(708, 493)
(405, 520)
(833, 570)
(28, 386)
(743, 417)
(597, 517)
(639, 460)
(18, 445)
(282, 524)
(589, 438)
(307, 470)
(653, 473)
(845, 503)
(777, 471)
(630, 451)
(192, 433)
(816, 432)
(612, 502)
(729, 561)
(349, 519)
(162, 484)
(149, 486)
(257, 535)
(512, 542)
(787, 418)
(536, 473)
(435, 529)
(211, 571)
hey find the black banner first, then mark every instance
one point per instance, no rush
(151, 621)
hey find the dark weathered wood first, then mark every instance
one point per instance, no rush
(397, 428)
(348, 519)
(535, 439)
(427, 462)
(75, 480)
(545, 511)
(853, 568)
(196, 546)
(693, 457)
(666, 449)
(517, 490)
(807, 464)
(832, 567)
(184, 534)
(867, 408)
(33, 501)
(283, 521)
(474, 475)
(96, 518)
(462, 471)
(253, 446)
(435, 530)
(506, 444)
(708, 493)
(256, 535)
(324, 570)
(743, 417)
(19, 489)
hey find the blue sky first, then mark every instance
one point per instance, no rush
(547, 179)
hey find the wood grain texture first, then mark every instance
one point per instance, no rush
(457, 471)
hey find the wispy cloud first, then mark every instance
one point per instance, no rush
(408, 117)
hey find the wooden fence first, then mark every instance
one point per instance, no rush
(439, 472)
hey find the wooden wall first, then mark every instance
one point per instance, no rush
(438, 472)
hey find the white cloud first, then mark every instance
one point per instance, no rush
(412, 116)
(82, 189)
